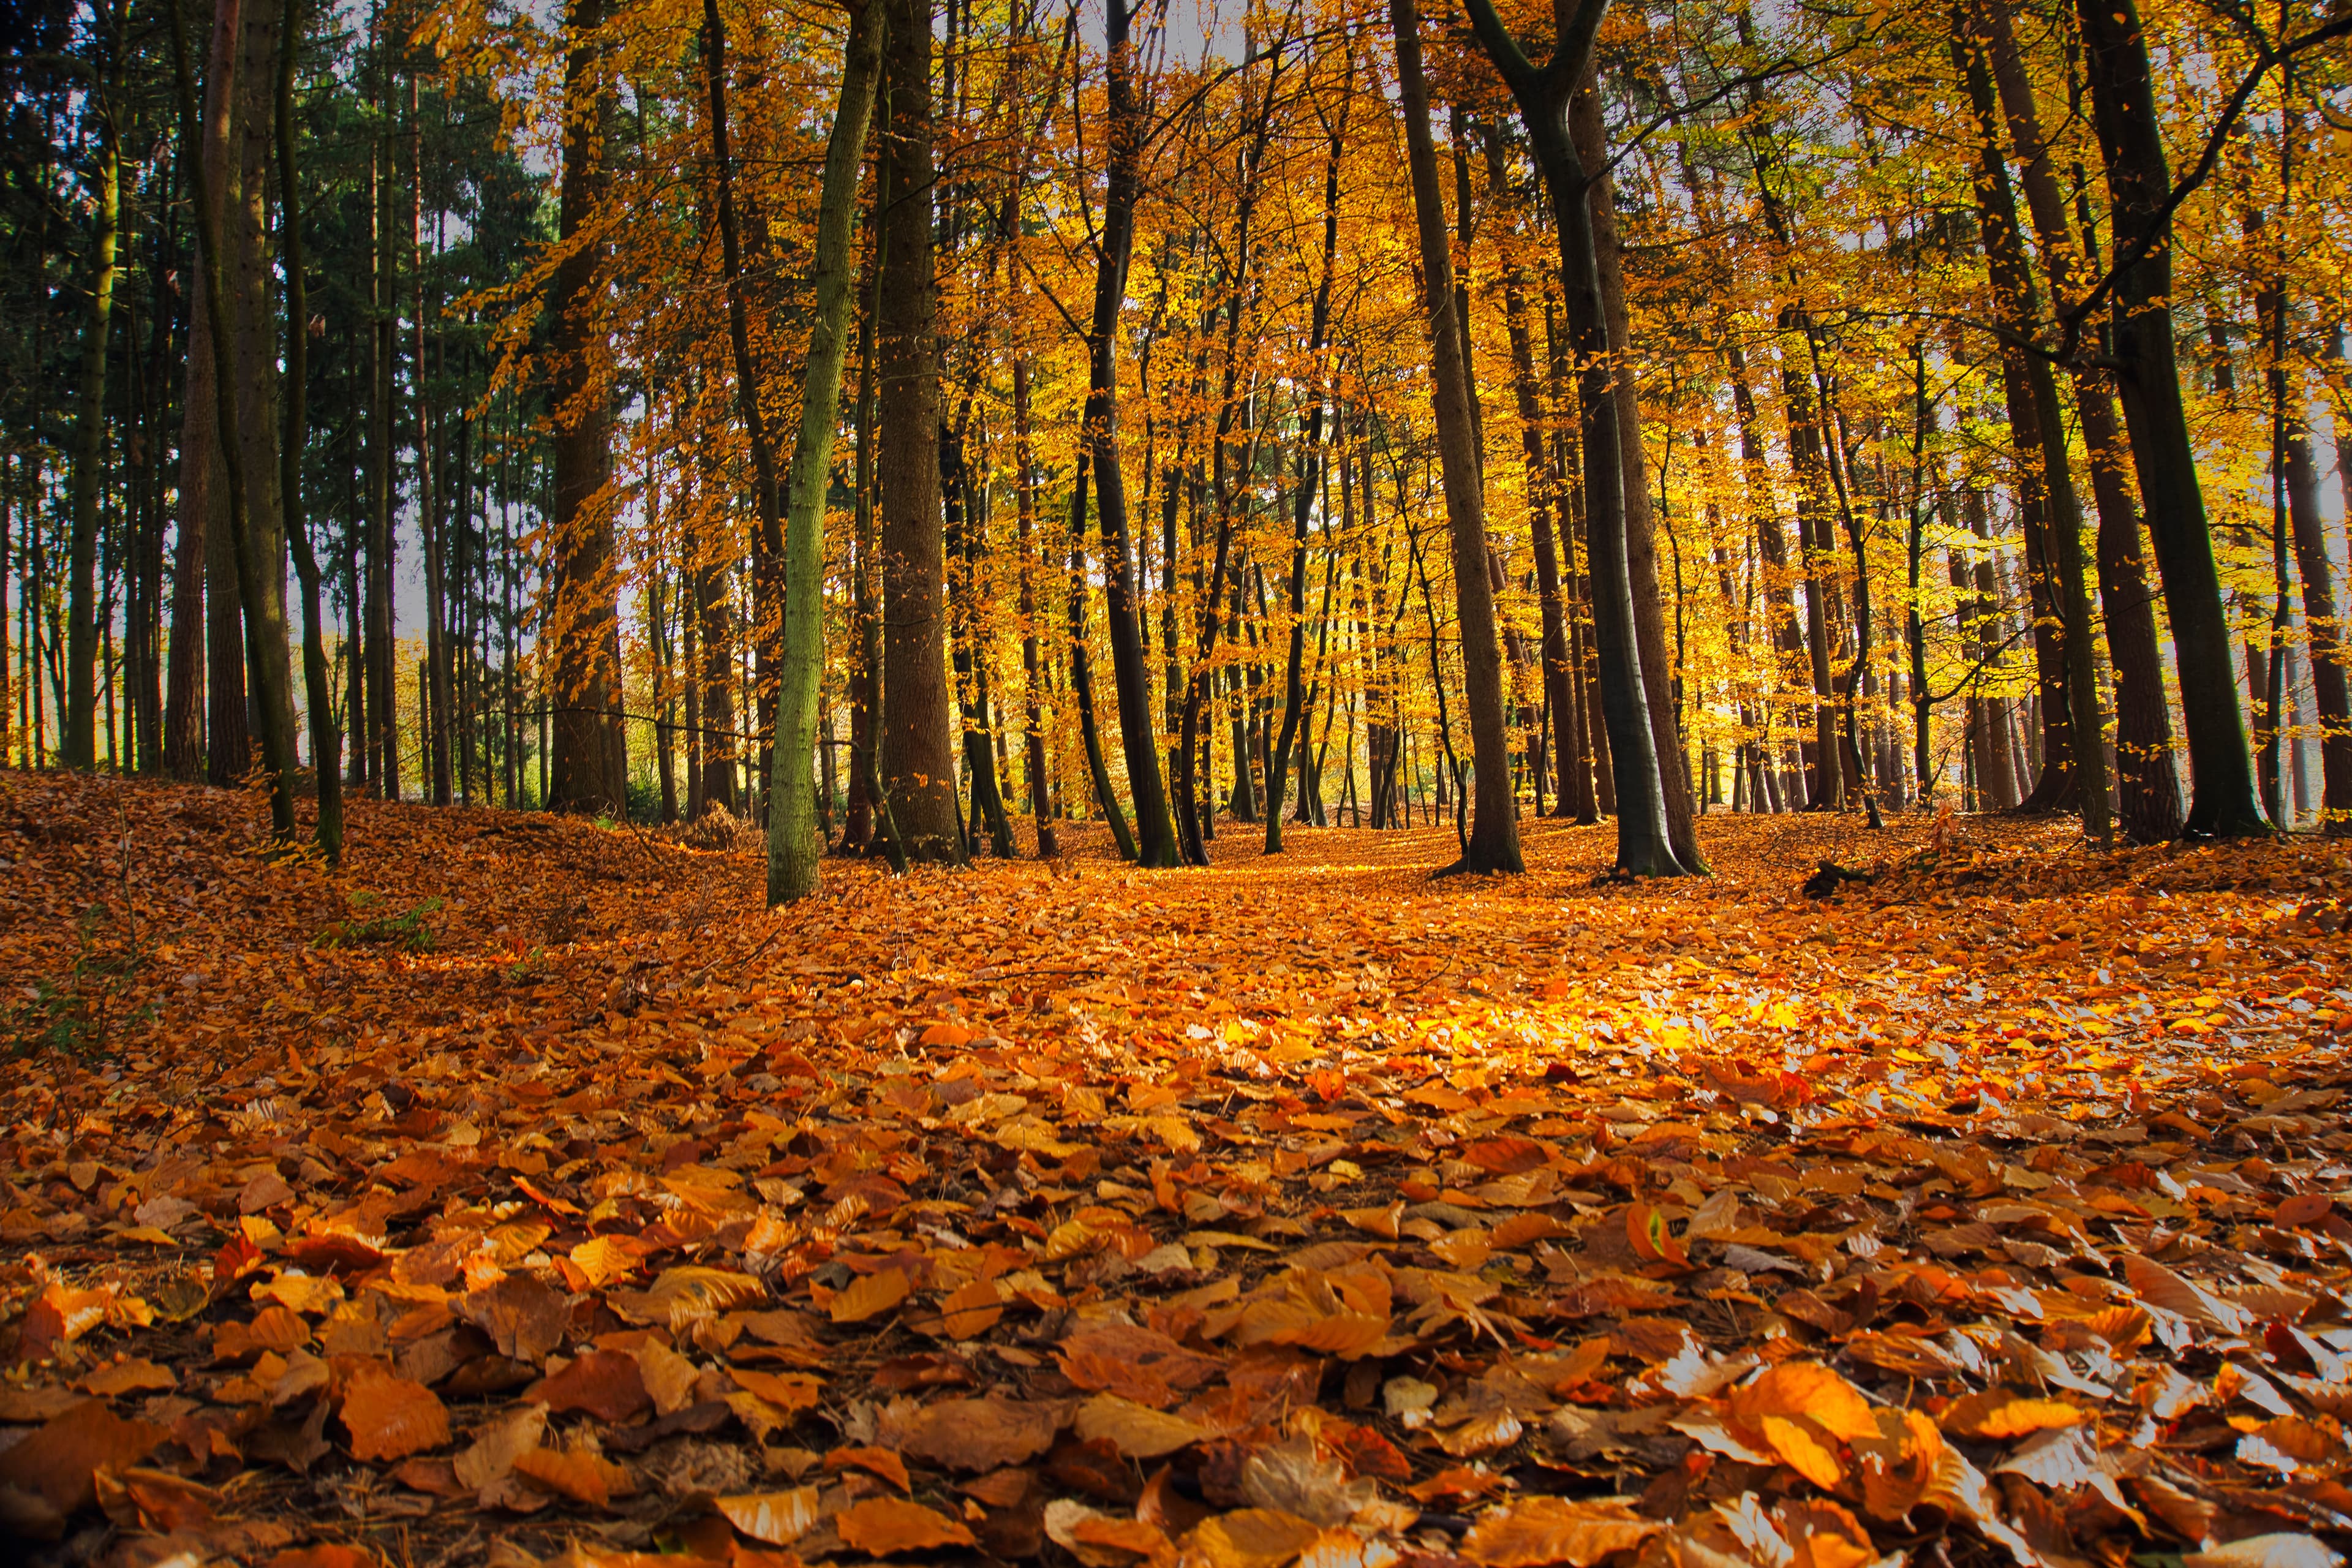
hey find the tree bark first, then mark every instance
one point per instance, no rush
(80, 716)
(2221, 779)
(1493, 842)
(1644, 841)
(586, 616)
(918, 763)
(1155, 829)
(318, 679)
(794, 844)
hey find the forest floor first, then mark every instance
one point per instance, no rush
(527, 1188)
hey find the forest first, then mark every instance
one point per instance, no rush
(1276, 783)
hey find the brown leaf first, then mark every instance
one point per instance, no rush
(777, 1518)
(887, 1524)
(604, 1384)
(56, 1463)
(497, 1445)
(582, 1477)
(1135, 1430)
(1537, 1531)
(879, 1462)
(1249, 1538)
(979, 1434)
(870, 1296)
(524, 1317)
(390, 1417)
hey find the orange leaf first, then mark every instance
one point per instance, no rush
(870, 1296)
(390, 1417)
(885, 1524)
(582, 1477)
(777, 1518)
(1537, 1531)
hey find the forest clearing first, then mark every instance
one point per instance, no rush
(527, 1188)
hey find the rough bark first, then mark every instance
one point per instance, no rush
(585, 618)
(918, 763)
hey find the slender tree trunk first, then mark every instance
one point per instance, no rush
(2223, 803)
(794, 844)
(90, 420)
(2070, 679)
(1492, 844)
(1082, 678)
(1155, 829)
(2148, 792)
(1310, 475)
(768, 545)
(326, 741)
(1024, 500)
(430, 506)
(2328, 655)
(1658, 675)
(1644, 841)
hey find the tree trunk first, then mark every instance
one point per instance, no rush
(1032, 729)
(2328, 649)
(918, 762)
(89, 421)
(586, 616)
(1493, 842)
(2223, 803)
(794, 844)
(1155, 829)
(1644, 841)
(1641, 539)
(265, 665)
(318, 681)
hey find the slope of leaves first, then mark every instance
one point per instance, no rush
(1300, 1210)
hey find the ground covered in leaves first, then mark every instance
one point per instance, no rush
(527, 1189)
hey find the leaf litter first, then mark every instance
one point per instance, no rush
(1296, 1212)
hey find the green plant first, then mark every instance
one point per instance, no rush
(82, 1014)
(407, 929)
(529, 965)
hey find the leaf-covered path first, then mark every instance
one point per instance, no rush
(1292, 1209)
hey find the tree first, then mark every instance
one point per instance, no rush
(1494, 841)
(794, 844)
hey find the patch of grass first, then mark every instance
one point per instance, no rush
(407, 930)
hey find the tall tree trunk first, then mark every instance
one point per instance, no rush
(918, 763)
(431, 507)
(2122, 100)
(1310, 476)
(383, 663)
(89, 418)
(2328, 655)
(1155, 829)
(1644, 841)
(2147, 789)
(768, 547)
(585, 615)
(1545, 504)
(1492, 844)
(2047, 481)
(267, 666)
(1082, 675)
(1024, 501)
(318, 681)
(1641, 539)
(794, 843)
